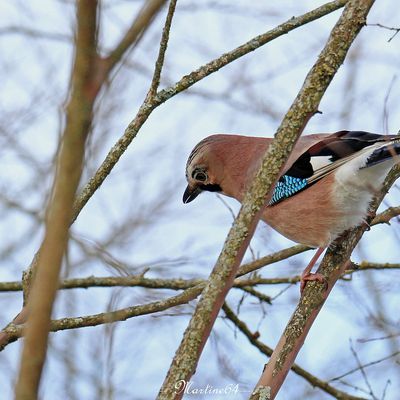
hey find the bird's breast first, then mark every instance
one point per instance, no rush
(319, 214)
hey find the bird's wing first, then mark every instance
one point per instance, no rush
(325, 155)
(333, 151)
(332, 166)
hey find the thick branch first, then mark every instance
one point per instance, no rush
(221, 279)
(312, 301)
(311, 379)
(182, 284)
(345, 31)
(16, 331)
(59, 211)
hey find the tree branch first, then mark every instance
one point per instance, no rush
(311, 379)
(222, 276)
(59, 210)
(163, 48)
(390, 28)
(34, 33)
(16, 331)
(312, 301)
(182, 284)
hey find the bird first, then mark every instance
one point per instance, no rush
(325, 187)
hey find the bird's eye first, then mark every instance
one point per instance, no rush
(199, 176)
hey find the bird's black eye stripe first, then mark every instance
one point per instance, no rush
(199, 175)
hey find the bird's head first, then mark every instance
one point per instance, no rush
(223, 163)
(204, 169)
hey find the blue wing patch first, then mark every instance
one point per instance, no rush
(286, 187)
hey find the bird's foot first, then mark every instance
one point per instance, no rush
(309, 276)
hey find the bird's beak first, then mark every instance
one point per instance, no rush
(190, 194)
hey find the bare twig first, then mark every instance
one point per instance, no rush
(366, 365)
(255, 293)
(163, 48)
(378, 338)
(363, 373)
(34, 33)
(390, 28)
(16, 331)
(385, 116)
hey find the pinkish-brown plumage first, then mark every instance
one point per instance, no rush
(325, 188)
(309, 217)
(314, 216)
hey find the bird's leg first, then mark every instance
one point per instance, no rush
(307, 275)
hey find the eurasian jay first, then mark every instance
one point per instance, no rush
(325, 188)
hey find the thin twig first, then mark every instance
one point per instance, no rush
(163, 48)
(35, 33)
(361, 369)
(366, 365)
(378, 338)
(255, 293)
(390, 28)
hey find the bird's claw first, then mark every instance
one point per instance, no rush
(311, 277)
